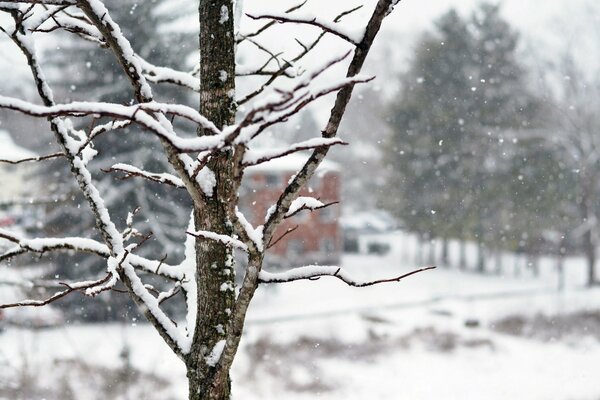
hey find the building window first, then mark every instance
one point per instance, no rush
(327, 214)
(272, 180)
(295, 247)
(327, 245)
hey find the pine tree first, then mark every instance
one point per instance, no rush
(463, 89)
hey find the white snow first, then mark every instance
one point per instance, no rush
(391, 339)
(292, 163)
(215, 355)
(304, 202)
(10, 151)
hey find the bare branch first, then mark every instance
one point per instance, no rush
(268, 24)
(70, 288)
(289, 64)
(343, 98)
(287, 232)
(314, 21)
(47, 2)
(313, 272)
(40, 158)
(303, 203)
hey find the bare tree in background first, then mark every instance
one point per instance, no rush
(208, 167)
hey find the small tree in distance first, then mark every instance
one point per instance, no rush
(209, 167)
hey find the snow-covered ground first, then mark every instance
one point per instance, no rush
(442, 334)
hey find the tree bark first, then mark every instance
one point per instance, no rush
(445, 256)
(214, 261)
(462, 258)
(481, 258)
(589, 237)
(590, 255)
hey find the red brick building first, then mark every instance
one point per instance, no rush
(318, 237)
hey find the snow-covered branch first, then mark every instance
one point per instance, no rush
(28, 159)
(85, 287)
(282, 104)
(255, 157)
(131, 171)
(158, 74)
(46, 2)
(306, 48)
(314, 272)
(291, 192)
(225, 239)
(242, 37)
(306, 203)
(140, 113)
(78, 244)
(349, 36)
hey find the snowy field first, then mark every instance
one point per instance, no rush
(442, 334)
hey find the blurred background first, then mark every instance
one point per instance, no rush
(476, 149)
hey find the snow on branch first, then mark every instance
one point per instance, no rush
(43, 245)
(225, 239)
(353, 37)
(96, 286)
(46, 2)
(99, 16)
(253, 236)
(281, 104)
(241, 37)
(39, 158)
(337, 112)
(157, 74)
(255, 157)
(138, 113)
(40, 245)
(306, 203)
(131, 171)
(314, 272)
(79, 26)
(306, 48)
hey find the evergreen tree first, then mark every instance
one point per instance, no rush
(463, 89)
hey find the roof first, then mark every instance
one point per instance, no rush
(9, 150)
(292, 163)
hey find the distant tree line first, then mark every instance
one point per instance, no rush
(478, 153)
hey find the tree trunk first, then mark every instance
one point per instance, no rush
(533, 263)
(480, 258)
(445, 260)
(419, 251)
(589, 237)
(498, 262)
(214, 261)
(462, 257)
(431, 252)
(590, 255)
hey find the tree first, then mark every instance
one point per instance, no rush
(208, 167)
(74, 72)
(463, 90)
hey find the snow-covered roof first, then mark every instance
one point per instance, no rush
(292, 163)
(9, 150)
(373, 220)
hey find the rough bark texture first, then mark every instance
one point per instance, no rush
(215, 262)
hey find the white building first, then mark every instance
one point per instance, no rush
(15, 179)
